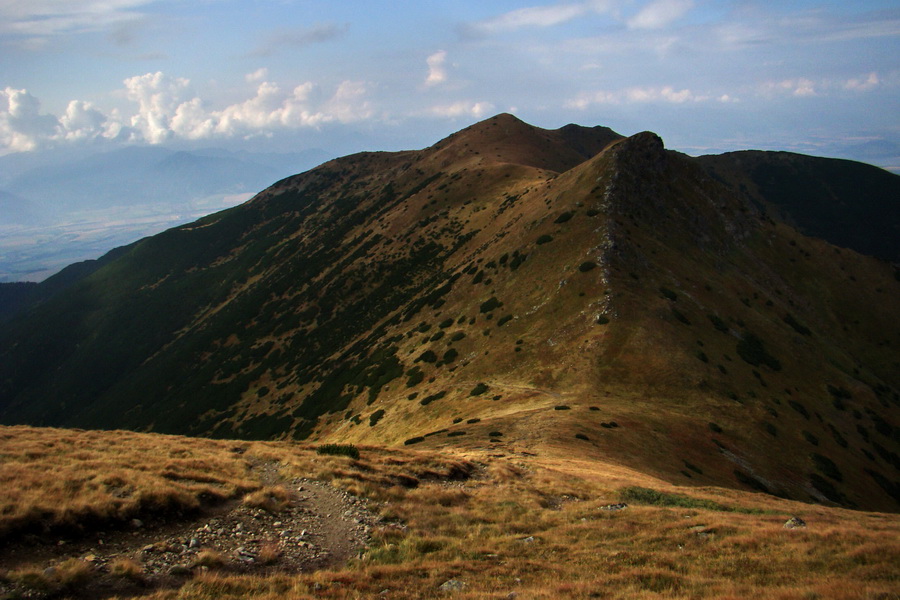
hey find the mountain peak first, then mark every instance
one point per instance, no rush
(506, 139)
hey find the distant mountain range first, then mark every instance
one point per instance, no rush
(724, 320)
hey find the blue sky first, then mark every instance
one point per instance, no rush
(820, 77)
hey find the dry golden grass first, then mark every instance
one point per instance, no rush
(210, 558)
(270, 498)
(67, 478)
(126, 568)
(269, 553)
(535, 526)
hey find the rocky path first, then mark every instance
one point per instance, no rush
(297, 525)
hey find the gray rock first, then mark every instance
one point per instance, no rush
(452, 585)
(618, 506)
(179, 570)
(794, 523)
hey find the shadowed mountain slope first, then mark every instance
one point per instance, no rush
(847, 203)
(572, 291)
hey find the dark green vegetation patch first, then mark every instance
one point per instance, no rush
(339, 450)
(754, 352)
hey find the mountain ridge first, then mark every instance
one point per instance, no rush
(462, 290)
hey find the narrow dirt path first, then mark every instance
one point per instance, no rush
(296, 525)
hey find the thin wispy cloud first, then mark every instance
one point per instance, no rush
(52, 17)
(281, 40)
(534, 17)
(660, 13)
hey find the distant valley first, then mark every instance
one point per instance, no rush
(64, 208)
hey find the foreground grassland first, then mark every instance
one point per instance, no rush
(455, 524)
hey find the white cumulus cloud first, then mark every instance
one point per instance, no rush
(158, 97)
(436, 71)
(863, 84)
(257, 75)
(799, 87)
(463, 108)
(82, 121)
(637, 95)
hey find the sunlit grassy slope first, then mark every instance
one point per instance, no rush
(497, 522)
(583, 294)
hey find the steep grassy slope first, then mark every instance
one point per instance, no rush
(571, 290)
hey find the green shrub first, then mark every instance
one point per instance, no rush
(678, 315)
(692, 467)
(826, 466)
(827, 488)
(414, 440)
(375, 417)
(838, 395)
(581, 436)
(479, 389)
(714, 428)
(750, 481)
(429, 399)
(563, 217)
(668, 294)
(415, 377)
(798, 327)
(450, 355)
(718, 323)
(752, 350)
(504, 320)
(428, 356)
(799, 408)
(587, 265)
(544, 239)
(642, 495)
(490, 304)
(339, 450)
(838, 438)
(561, 407)
(602, 320)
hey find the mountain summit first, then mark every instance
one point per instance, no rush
(567, 291)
